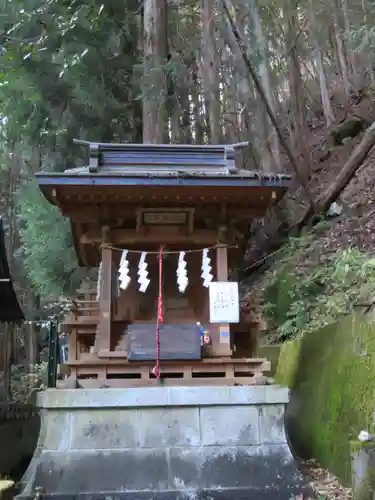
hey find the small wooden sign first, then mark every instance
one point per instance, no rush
(224, 302)
(165, 218)
(177, 342)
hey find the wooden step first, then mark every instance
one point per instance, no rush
(82, 321)
(82, 291)
(90, 383)
(122, 344)
(92, 371)
(253, 362)
(84, 301)
(79, 310)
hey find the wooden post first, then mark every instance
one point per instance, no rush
(222, 275)
(105, 322)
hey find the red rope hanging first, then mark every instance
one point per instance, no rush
(160, 318)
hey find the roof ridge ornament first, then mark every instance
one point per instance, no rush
(94, 157)
(181, 158)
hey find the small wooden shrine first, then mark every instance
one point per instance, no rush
(164, 225)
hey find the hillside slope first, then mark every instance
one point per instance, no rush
(327, 270)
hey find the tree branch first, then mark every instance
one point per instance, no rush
(269, 111)
(355, 160)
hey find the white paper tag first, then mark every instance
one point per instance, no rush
(182, 265)
(123, 274)
(142, 268)
(144, 285)
(181, 258)
(124, 265)
(125, 283)
(207, 280)
(181, 272)
(142, 259)
(205, 272)
(206, 263)
(123, 257)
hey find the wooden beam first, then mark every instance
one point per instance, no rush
(222, 275)
(103, 335)
(126, 237)
(95, 212)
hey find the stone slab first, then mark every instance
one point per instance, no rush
(271, 424)
(204, 443)
(237, 425)
(161, 427)
(103, 429)
(162, 397)
(270, 493)
(173, 472)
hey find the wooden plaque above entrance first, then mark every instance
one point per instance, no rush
(165, 217)
(177, 342)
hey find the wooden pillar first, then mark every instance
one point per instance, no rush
(103, 343)
(222, 275)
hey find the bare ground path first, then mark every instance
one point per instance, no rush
(325, 485)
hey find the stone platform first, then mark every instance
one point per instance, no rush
(167, 443)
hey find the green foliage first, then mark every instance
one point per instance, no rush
(24, 387)
(48, 248)
(308, 291)
(66, 70)
(331, 372)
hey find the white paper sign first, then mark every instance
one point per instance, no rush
(224, 302)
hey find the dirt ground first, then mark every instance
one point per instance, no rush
(324, 484)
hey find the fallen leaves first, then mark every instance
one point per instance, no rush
(324, 484)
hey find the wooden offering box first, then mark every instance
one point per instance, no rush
(127, 203)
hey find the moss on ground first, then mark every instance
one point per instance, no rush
(308, 290)
(332, 376)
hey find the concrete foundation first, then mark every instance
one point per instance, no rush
(164, 443)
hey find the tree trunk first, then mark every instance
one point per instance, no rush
(250, 104)
(351, 53)
(355, 160)
(199, 123)
(341, 53)
(349, 169)
(210, 69)
(155, 55)
(257, 84)
(370, 69)
(300, 131)
(271, 140)
(323, 84)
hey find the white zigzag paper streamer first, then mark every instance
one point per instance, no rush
(182, 279)
(123, 271)
(206, 268)
(99, 283)
(143, 280)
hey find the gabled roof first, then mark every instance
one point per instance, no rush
(10, 310)
(177, 167)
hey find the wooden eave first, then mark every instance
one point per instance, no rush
(159, 173)
(242, 191)
(89, 200)
(122, 178)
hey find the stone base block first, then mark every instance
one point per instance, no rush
(164, 443)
